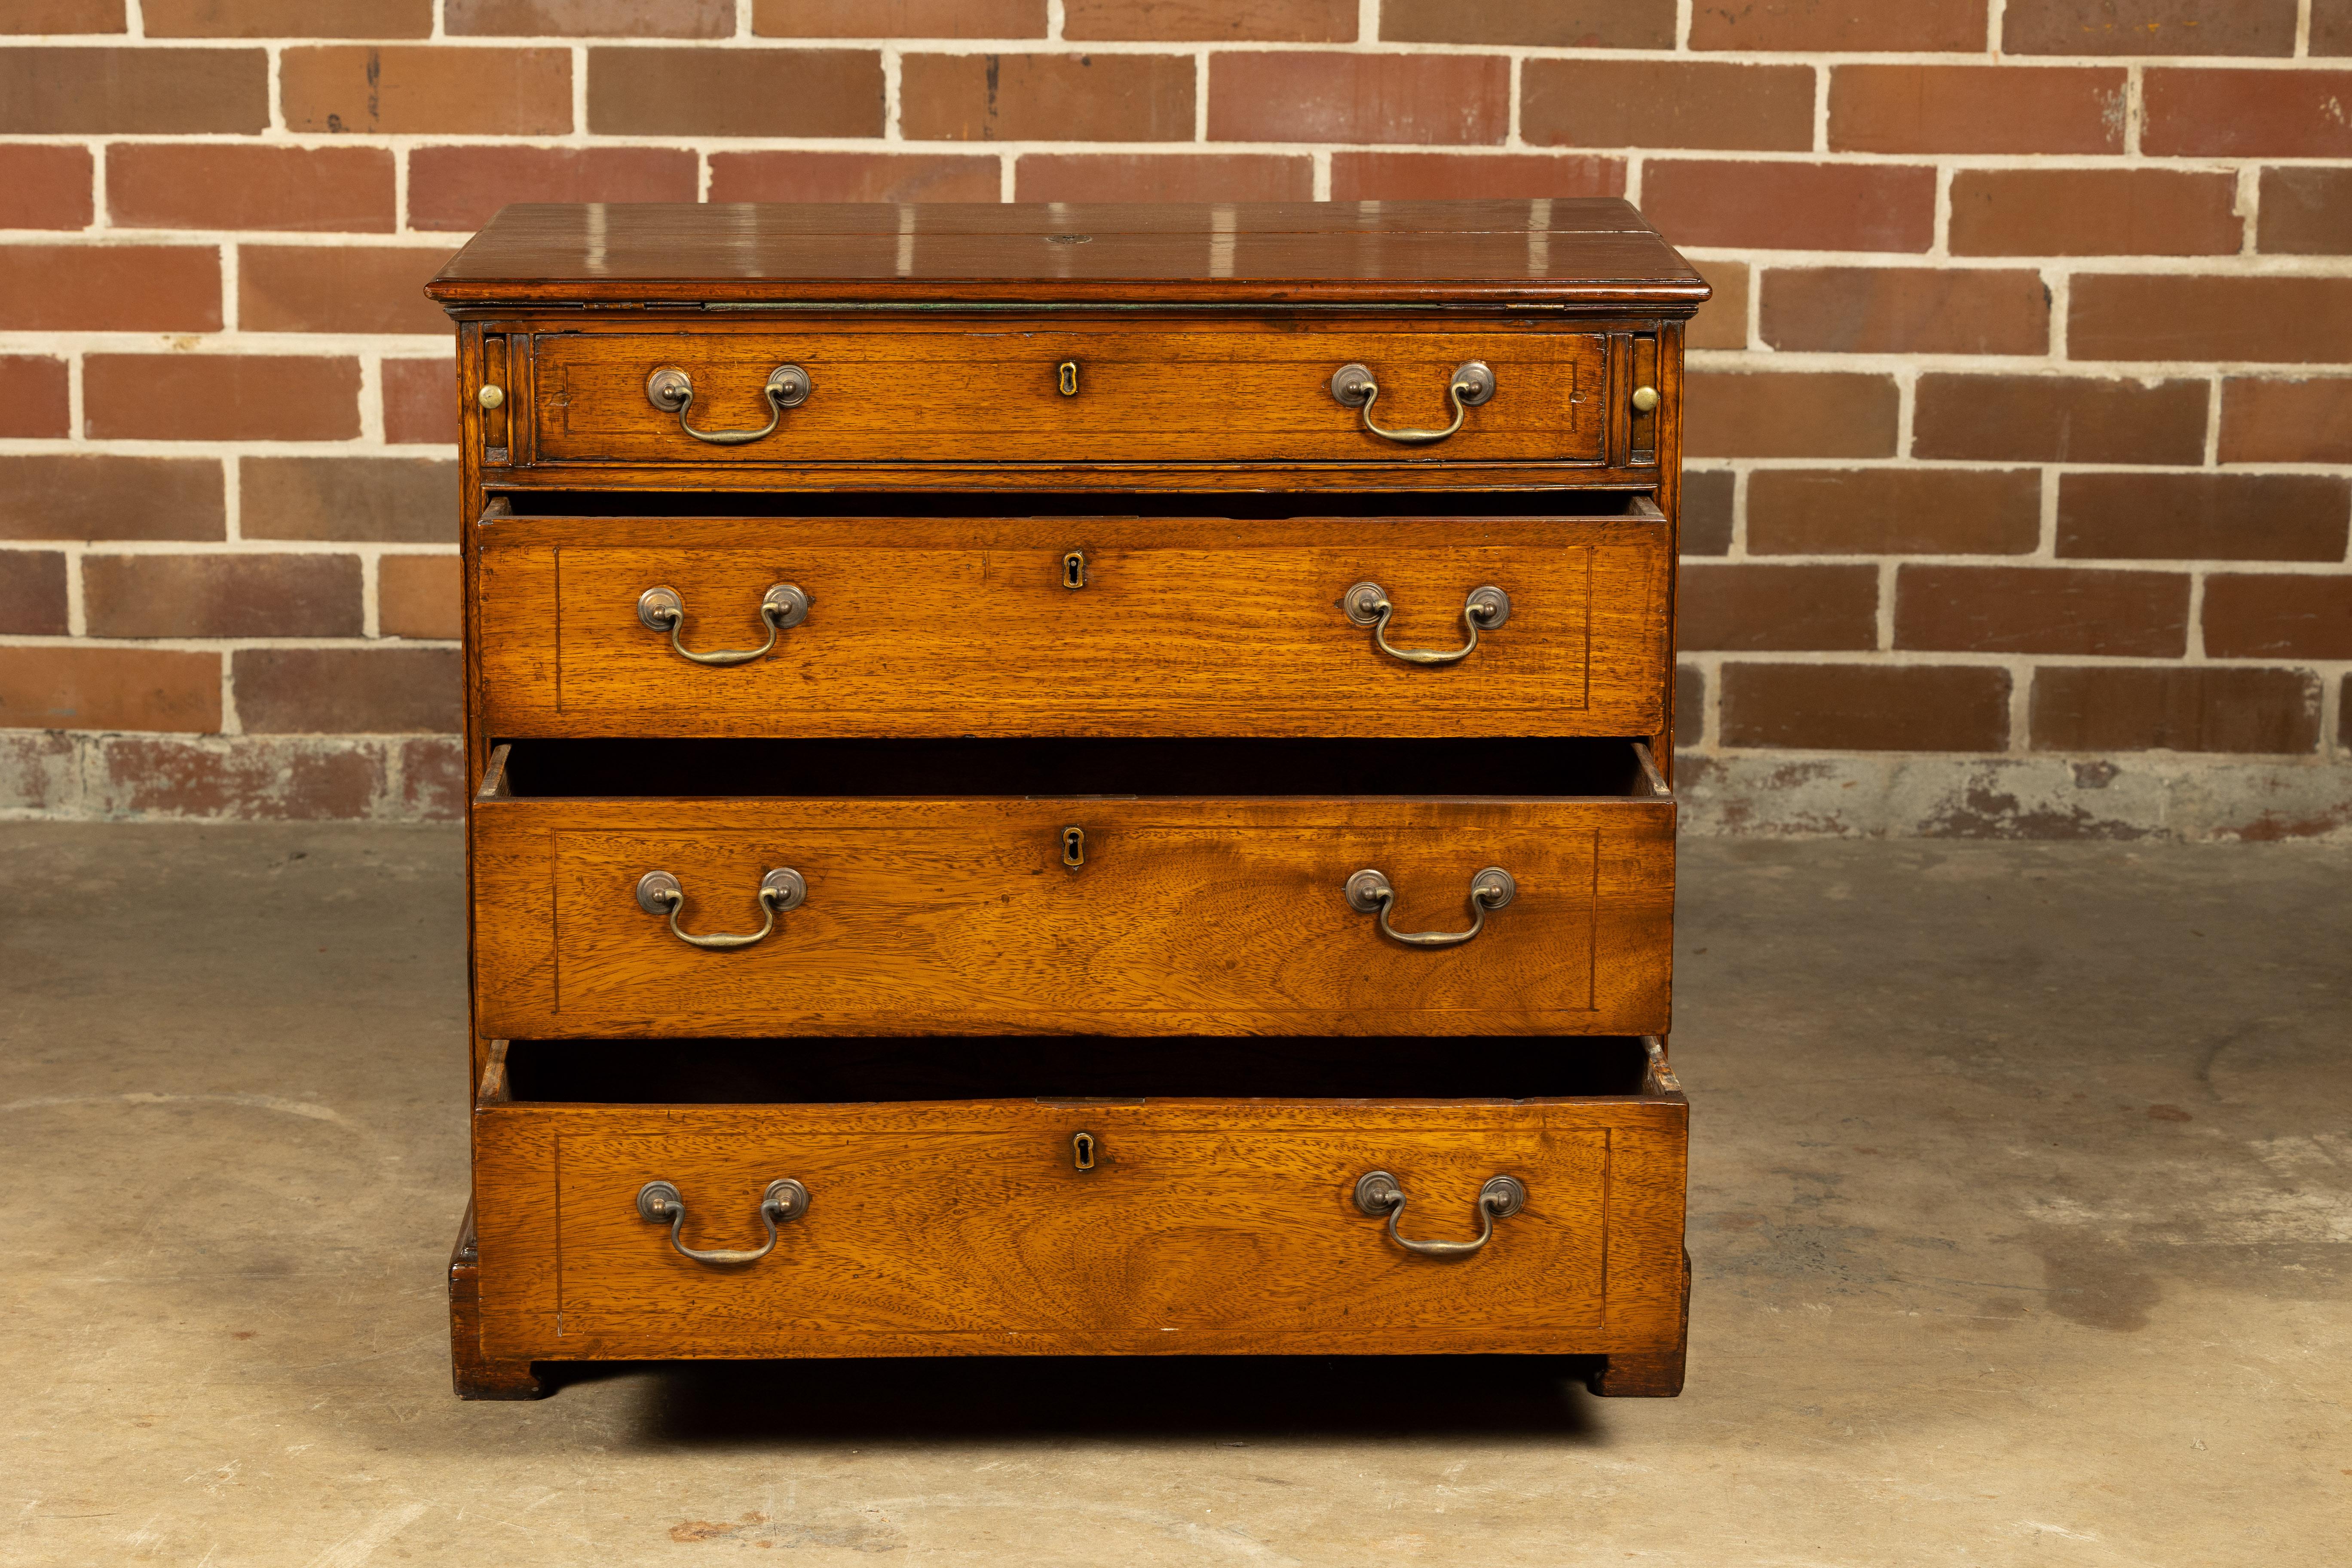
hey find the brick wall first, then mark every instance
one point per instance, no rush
(2020, 432)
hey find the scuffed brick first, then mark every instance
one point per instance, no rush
(1064, 98)
(2029, 609)
(900, 18)
(1976, 108)
(1398, 100)
(147, 92)
(211, 185)
(2058, 419)
(238, 596)
(1464, 176)
(2149, 28)
(220, 397)
(32, 396)
(2277, 614)
(373, 690)
(403, 501)
(54, 687)
(1777, 609)
(2093, 212)
(734, 92)
(2141, 317)
(40, 772)
(1866, 708)
(416, 596)
(1804, 26)
(592, 18)
(288, 18)
(2203, 517)
(339, 289)
(2126, 708)
(427, 88)
(852, 177)
(2267, 421)
(432, 778)
(1690, 705)
(44, 186)
(1667, 103)
(1893, 511)
(1792, 206)
(1163, 177)
(110, 288)
(62, 495)
(249, 778)
(463, 188)
(2307, 212)
(2246, 113)
(1789, 414)
(1909, 309)
(1212, 21)
(420, 401)
(1706, 521)
(1544, 24)
(33, 592)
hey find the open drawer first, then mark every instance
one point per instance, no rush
(720, 887)
(853, 1215)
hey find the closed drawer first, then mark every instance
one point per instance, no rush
(1073, 625)
(919, 392)
(1203, 1224)
(1160, 911)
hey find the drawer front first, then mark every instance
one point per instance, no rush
(1073, 626)
(960, 916)
(1202, 1226)
(937, 393)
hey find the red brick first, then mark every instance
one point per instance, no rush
(2058, 419)
(288, 18)
(110, 288)
(33, 592)
(420, 401)
(2142, 316)
(2331, 27)
(248, 778)
(2203, 517)
(1722, 321)
(32, 396)
(1667, 103)
(1163, 177)
(2267, 421)
(463, 188)
(427, 88)
(1842, 27)
(63, 17)
(2307, 212)
(1063, 97)
(735, 92)
(900, 18)
(1866, 708)
(1906, 310)
(1777, 609)
(2039, 609)
(433, 777)
(44, 186)
(2149, 28)
(1707, 497)
(1789, 414)
(371, 691)
(217, 185)
(1893, 511)
(416, 596)
(61, 494)
(2095, 212)
(1792, 206)
(1976, 108)
(1545, 24)
(2278, 616)
(2130, 708)
(220, 397)
(61, 688)
(1690, 705)
(852, 177)
(1460, 176)
(406, 500)
(2246, 113)
(1400, 100)
(339, 289)
(151, 93)
(590, 18)
(229, 595)
(1213, 21)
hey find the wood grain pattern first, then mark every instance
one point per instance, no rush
(1185, 626)
(1190, 916)
(914, 392)
(962, 1227)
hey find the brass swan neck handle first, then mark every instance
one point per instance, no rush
(784, 1201)
(1377, 1193)
(1370, 893)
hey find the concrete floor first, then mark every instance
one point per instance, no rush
(2022, 1200)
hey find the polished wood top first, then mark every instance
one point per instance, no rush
(1589, 252)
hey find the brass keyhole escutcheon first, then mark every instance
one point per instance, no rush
(1074, 569)
(1082, 1151)
(1065, 378)
(1074, 847)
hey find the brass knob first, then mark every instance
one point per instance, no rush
(1645, 398)
(490, 397)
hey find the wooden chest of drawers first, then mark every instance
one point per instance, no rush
(1071, 780)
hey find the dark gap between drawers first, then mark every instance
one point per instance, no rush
(1058, 769)
(1542, 503)
(834, 1072)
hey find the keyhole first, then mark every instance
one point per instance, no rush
(1074, 569)
(1065, 378)
(1074, 847)
(1082, 1151)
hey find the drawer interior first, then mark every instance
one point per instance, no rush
(623, 769)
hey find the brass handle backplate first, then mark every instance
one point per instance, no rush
(1370, 893)
(1354, 386)
(671, 390)
(1367, 604)
(783, 1202)
(1377, 1193)
(783, 888)
(782, 606)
